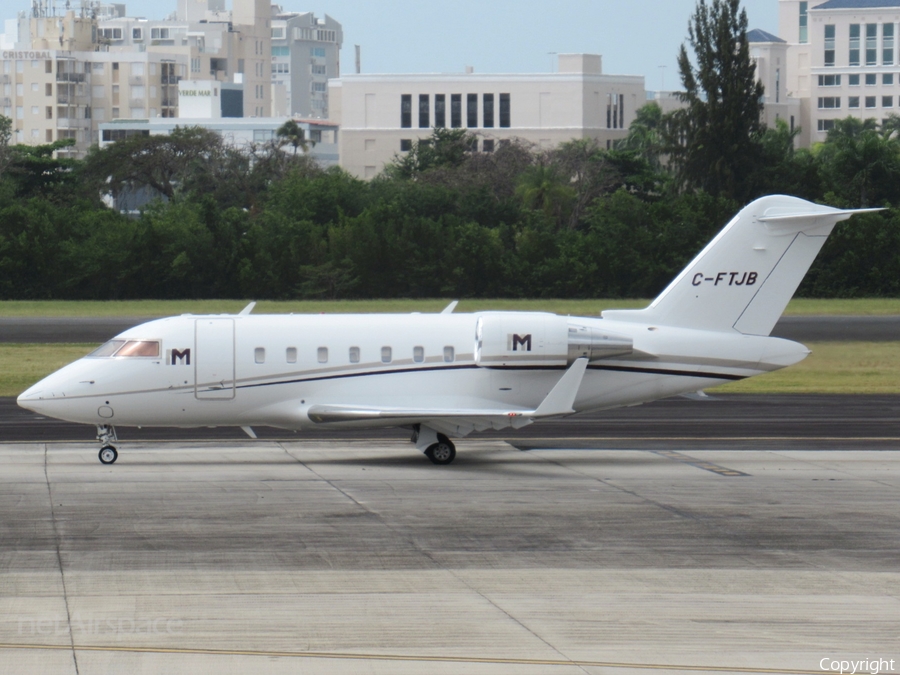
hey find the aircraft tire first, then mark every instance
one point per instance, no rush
(442, 452)
(108, 454)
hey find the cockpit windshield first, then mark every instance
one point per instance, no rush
(145, 348)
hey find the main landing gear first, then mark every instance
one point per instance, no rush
(106, 434)
(437, 447)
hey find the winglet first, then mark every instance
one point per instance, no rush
(449, 308)
(247, 309)
(561, 398)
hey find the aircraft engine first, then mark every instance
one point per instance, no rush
(527, 339)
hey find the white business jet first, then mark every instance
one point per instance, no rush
(446, 375)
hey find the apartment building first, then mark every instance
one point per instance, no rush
(72, 70)
(381, 115)
(305, 55)
(842, 60)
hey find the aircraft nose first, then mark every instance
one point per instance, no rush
(32, 399)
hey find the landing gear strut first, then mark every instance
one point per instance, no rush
(106, 434)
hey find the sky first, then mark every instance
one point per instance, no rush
(635, 37)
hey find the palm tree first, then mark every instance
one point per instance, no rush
(291, 134)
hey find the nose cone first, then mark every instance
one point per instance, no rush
(33, 398)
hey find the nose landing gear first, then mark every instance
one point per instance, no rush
(106, 434)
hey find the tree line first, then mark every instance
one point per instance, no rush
(444, 220)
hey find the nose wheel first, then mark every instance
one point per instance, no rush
(106, 434)
(108, 454)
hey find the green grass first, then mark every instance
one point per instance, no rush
(21, 365)
(833, 367)
(153, 308)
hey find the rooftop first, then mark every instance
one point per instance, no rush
(757, 35)
(857, 4)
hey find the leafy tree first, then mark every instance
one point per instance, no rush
(445, 147)
(6, 153)
(860, 162)
(645, 135)
(543, 187)
(713, 142)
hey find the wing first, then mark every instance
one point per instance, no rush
(460, 421)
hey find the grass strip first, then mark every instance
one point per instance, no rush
(833, 367)
(153, 308)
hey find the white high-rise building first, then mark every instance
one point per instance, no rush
(842, 60)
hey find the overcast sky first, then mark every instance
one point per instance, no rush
(635, 37)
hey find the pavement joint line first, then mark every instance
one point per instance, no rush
(698, 463)
(417, 657)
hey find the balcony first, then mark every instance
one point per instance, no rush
(136, 80)
(72, 123)
(170, 79)
(70, 77)
(136, 103)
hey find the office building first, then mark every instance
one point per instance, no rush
(381, 115)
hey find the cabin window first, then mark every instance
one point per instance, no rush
(259, 355)
(354, 354)
(322, 355)
(291, 355)
(386, 354)
(418, 354)
(449, 354)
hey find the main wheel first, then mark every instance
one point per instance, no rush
(108, 454)
(442, 452)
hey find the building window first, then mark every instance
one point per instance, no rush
(318, 52)
(887, 78)
(871, 44)
(424, 111)
(456, 110)
(449, 354)
(405, 145)
(137, 34)
(830, 80)
(887, 101)
(488, 110)
(488, 145)
(159, 33)
(826, 125)
(354, 354)
(853, 102)
(259, 355)
(472, 110)
(49, 112)
(853, 80)
(871, 79)
(804, 23)
(854, 44)
(870, 101)
(829, 43)
(406, 111)
(440, 111)
(419, 354)
(504, 111)
(830, 102)
(887, 44)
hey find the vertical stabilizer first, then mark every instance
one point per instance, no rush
(747, 274)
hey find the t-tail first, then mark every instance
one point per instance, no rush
(747, 274)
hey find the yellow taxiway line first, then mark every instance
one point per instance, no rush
(412, 657)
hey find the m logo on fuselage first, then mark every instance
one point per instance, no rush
(176, 357)
(513, 342)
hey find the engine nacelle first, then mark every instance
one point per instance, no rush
(532, 339)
